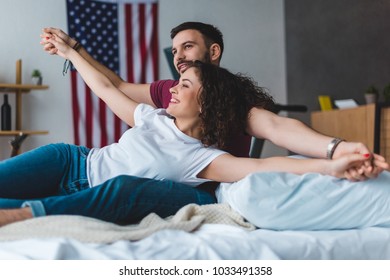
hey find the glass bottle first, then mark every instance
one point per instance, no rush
(5, 114)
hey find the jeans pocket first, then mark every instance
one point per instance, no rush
(77, 178)
(76, 186)
(83, 151)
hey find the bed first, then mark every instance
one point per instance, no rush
(266, 216)
(213, 242)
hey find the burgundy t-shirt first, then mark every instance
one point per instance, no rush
(159, 91)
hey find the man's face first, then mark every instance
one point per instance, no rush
(188, 45)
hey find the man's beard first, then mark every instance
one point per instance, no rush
(206, 58)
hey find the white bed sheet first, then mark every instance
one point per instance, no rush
(213, 241)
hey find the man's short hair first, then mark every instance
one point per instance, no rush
(211, 34)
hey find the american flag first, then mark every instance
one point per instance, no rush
(122, 35)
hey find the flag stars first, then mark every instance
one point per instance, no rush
(95, 25)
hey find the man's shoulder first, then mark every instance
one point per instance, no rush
(160, 93)
(164, 83)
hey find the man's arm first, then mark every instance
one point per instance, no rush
(295, 136)
(137, 92)
(288, 133)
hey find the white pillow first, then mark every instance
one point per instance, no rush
(284, 201)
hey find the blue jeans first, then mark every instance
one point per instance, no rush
(52, 180)
(54, 169)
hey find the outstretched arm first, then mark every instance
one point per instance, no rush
(288, 133)
(101, 85)
(138, 92)
(295, 136)
(227, 168)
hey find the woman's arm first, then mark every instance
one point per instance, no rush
(137, 92)
(101, 85)
(227, 168)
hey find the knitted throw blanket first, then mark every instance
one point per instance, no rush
(91, 230)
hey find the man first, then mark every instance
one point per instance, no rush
(127, 199)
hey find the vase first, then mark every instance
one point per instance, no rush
(36, 80)
(370, 98)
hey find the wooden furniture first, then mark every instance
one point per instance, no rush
(19, 89)
(369, 124)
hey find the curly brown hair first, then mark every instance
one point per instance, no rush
(225, 101)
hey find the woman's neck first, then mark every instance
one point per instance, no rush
(189, 127)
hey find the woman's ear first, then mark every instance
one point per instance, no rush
(215, 52)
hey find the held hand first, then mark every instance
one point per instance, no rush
(342, 166)
(371, 168)
(345, 148)
(47, 46)
(50, 31)
(61, 48)
(352, 166)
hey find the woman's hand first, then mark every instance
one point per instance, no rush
(353, 166)
(61, 48)
(340, 167)
(372, 166)
(50, 31)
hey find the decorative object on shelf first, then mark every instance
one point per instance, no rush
(19, 89)
(345, 103)
(371, 94)
(325, 102)
(386, 93)
(5, 114)
(36, 77)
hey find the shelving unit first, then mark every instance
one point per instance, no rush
(369, 124)
(19, 89)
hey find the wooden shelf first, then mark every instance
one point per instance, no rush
(357, 125)
(11, 88)
(20, 132)
(19, 89)
(352, 124)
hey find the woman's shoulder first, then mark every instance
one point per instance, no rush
(145, 111)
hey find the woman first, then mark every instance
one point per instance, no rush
(207, 105)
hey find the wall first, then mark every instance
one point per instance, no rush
(253, 31)
(253, 34)
(336, 48)
(20, 26)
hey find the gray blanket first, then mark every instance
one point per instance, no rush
(86, 229)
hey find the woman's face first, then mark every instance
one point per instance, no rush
(184, 102)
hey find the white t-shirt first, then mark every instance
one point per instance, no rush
(154, 148)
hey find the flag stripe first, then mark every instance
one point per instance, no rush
(129, 43)
(142, 40)
(103, 123)
(135, 43)
(75, 108)
(88, 116)
(154, 44)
